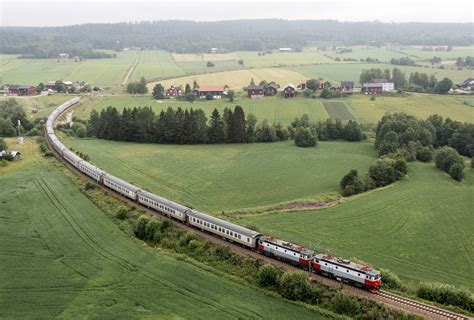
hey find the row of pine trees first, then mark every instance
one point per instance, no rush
(182, 126)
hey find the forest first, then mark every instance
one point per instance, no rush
(252, 35)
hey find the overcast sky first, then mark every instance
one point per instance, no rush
(64, 12)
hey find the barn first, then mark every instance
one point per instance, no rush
(347, 87)
(173, 91)
(22, 90)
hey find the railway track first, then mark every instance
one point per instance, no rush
(390, 299)
(421, 306)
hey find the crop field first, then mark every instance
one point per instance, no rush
(65, 257)
(155, 64)
(416, 52)
(237, 79)
(335, 72)
(338, 110)
(421, 228)
(276, 59)
(200, 67)
(217, 178)
(97, 72)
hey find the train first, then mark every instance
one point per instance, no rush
(326, 265)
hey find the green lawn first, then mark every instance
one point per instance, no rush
(421, 228)
(97, 72)
(230, 177)
(338, 110)
(335, 72)
(63, 257)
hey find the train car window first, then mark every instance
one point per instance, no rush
(248, 240)
(336, 267)
(358, 274)
(347, 271)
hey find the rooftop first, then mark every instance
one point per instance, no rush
(288, 245)
(210, 88)
(349, 264)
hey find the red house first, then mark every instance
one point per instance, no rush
(22, 90)
(173, 92)
(216, 92)
(302, 86)
(271, 90)
(347, 87)
(254, 91)
(289, 91)
(372, 88)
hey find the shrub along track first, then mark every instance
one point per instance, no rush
(389, 299)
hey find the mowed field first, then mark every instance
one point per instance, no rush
(97, 72)
(63, 257)
(216, 178)
(237, 79)
(44, 104)
(277, 109)
(338, 110)
(421, 228)
(155, 64)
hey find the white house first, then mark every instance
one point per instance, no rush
(387, 85)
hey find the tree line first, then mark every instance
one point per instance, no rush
(253, 35)
(404, 136)
(417, 81)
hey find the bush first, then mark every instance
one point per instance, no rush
(351, 184)
(457, 171)
(390, 280)
(382, 172)
(89, 186)
(268, 275)
(446, 157)
(122, 213)
(345, 304)
(294, 286)
(305, 138)
(140, 226)
(446, 294)
(424, 154)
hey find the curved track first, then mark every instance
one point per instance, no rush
(390, 299)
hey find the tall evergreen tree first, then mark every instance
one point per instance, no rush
(216, 133)
(238, 126)
(251, 123)
(94, 124)
(187, 89)
(158, 92)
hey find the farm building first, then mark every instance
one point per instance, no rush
(50, 85)
(271, 90)
(372, 88)
(467, 84)
(254, 91)
(386, 84)
(289, 91)
(63, 56)
(173, 91)
(285, 50)
(302, 85)
(347, 87)
(216, 92)
(22, 90)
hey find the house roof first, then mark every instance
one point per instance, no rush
(290, 85)
(273, 85)
(254, 87)
(346, 83)
(210, 88)
(25, 87)
(466, 82)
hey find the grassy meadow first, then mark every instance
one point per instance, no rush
(421, 228)
(97, 72)
(64, 257)
(217, 178)
(155, 64)
(44, 104)
(277, 109)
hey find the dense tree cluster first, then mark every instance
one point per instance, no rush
(421, 82)
(189, 36)
(182, 126)
(449, 160)
(405, 61)
(447, 295)
(10, 113)
(467, 62)
(405, 136)
(138, 87)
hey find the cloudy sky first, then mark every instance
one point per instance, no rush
(67, 12)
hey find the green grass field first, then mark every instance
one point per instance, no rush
(285, 110)
(253, 60)
(335, 72)
(421, 228)
(230, 177)
(97, 72)
(63, 257)
(44, 104)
